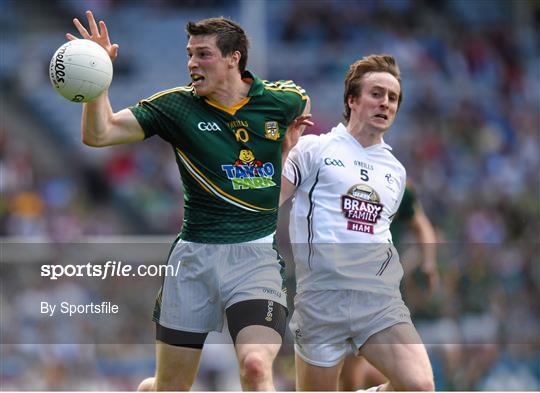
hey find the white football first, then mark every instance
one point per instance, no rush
(80, 70)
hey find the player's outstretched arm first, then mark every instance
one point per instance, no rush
(100, 126)
(426, 235)
(287, 190)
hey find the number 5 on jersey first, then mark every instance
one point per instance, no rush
(364, 175)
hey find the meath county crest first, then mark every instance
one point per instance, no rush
(271, 130)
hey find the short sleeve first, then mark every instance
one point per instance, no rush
(144, 114)
(302, 160)
(298, 102)
(291, 98)
(298, 99)
(158, 113)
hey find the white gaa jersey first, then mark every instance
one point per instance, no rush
(340, 221)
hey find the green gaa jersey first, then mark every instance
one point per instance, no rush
(229, 157)
(404, 214)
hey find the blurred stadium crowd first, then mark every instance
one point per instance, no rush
(468, 133)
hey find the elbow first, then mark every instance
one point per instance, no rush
(90, 139)
(91, 142)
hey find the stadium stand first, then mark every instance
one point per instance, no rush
(468, 134)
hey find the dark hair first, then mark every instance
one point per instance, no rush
(230, 37)
(372, 63)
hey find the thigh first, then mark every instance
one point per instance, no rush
(373, 312)
(252, 271)
(398, 352)
(189, 300)
(260, 313)
(357, 373)
(310, 377)
(320, 326)
(176, 367)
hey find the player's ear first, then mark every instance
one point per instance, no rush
(350, 100)
(234, 59)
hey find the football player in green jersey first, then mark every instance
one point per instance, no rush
(226, 129)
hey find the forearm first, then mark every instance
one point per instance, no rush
(428, 243)
(102, 127)
(429, 253)
(427, 238)
(295, 131)
(97, 117)
(287, 190)
(284, 154)
(289, 142)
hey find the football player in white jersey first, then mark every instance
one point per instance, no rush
(348, 187)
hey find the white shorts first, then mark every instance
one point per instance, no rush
(329, 324)
(213, 277)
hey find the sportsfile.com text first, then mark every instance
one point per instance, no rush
(108, 269)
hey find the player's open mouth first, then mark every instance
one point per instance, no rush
(382, 116)
(196, 77)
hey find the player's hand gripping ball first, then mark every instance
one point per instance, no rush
(80, 70)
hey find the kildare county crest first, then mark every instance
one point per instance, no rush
(271, 130)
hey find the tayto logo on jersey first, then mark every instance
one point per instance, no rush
(361, 207)
(208, 126)
(247, 172)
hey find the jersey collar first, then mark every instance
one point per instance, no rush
(257, 87)
(340, 128)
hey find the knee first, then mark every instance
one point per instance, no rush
(148, 385)
(254, 368)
